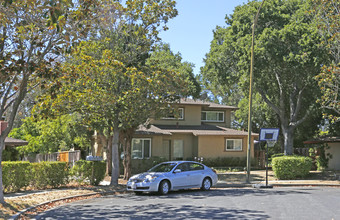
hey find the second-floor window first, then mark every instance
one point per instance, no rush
(179, 114)
(212, 116)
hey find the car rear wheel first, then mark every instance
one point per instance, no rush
(164, 187)
(206, 184)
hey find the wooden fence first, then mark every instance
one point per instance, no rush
(65, 156)
(260, 159)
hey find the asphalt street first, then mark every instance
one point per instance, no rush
(231, 203)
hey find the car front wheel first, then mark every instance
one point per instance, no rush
(164, 187)
(206, 184)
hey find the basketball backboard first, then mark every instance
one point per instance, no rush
(269, 134)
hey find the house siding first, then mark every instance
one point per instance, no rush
(334, 150)
(214, 146)
(192, 116)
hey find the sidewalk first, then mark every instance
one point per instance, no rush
(316, 178)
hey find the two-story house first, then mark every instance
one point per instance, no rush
(202, 129)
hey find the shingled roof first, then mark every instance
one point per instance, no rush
(12, 142)
(323, 140)
(199, 130)
(187, 101)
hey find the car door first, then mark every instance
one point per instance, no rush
(196, 174)
(181, 180)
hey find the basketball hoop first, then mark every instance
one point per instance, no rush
(271, 143)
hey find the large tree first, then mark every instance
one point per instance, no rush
(327, 14)
(52, 135)
(287, 58)
(32, 36)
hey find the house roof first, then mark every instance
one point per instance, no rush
(199, 130)
(187, 101)
(323, 140)
(14, 142)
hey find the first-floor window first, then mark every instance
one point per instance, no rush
(141, 148)
(233, 144)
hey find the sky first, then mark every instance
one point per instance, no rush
(191, 31)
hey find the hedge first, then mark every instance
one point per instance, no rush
(19, 175)
(15, 175)
(89, 171)
(53, 174)
(291, 167)
(226, 162)
(142, 165)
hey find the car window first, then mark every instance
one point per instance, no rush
(183, 167)
(163, 167)
(196, 166)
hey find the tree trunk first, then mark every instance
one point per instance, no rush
(115, 156)
(127, 159)
(108, 142)
(2, 146)
(127, 134)
(288, 136)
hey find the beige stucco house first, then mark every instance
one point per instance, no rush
(200, 129)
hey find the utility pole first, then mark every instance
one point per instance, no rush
(251, 93)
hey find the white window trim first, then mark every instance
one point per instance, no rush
(180, 118)
(213, 120)
(142, 139)
(233, 139)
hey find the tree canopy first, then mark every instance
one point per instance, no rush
(109, 79)
(52, 135)
(32, 36)
(327, 14)
(287, 58)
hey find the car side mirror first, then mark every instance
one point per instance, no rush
(177, 171)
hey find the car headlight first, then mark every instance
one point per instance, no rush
(150, 178)
(132, 178)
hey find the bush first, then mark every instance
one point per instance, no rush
(89, 171)
(15, 175)
(226, 162)
(53, 174)
(142, 165)
(291, 167)
(321, 159)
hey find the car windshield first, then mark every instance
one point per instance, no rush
(163, 167)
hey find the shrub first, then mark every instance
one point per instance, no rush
(321, 159)
(15, 175)
(226, 162)
(89, 171)
(142, 165)
(291, 167)
(53, 174)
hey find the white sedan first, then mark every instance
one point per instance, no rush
(173, 175)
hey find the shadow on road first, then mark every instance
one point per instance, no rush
(153, 206)
(231, 192)
(156, 211)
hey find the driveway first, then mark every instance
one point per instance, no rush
(232, 203)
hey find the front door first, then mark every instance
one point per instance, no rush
(167, 149)
(178, 150)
